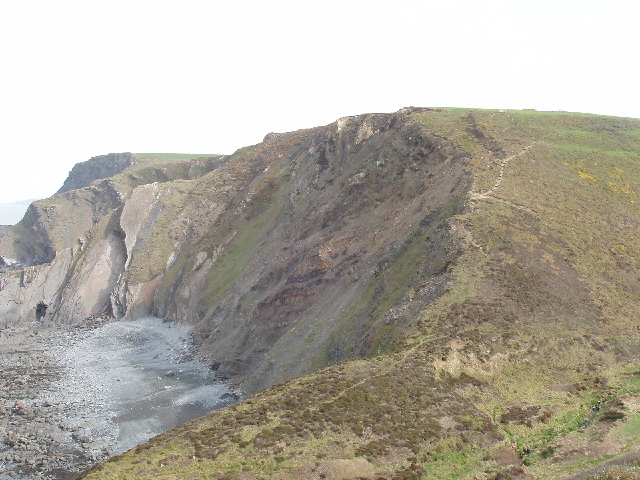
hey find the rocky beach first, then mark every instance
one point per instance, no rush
(71, 396)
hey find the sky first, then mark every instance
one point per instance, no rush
(87, 78)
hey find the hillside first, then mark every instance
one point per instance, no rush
(287, 256)
(441, 294)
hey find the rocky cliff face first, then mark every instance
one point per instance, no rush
(104, 166)
(286, 256)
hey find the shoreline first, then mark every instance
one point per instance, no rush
(73, 396)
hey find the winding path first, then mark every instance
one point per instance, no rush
(503, 166)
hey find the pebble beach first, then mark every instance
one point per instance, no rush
(70, 396)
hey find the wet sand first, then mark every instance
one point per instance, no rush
(69, 398)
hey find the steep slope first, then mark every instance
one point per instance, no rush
(516, 345)
(299, 254)
(287, 256)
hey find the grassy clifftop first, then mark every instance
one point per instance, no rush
(526, 366)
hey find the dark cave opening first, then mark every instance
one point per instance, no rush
(41, 310)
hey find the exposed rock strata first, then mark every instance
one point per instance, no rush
(287, 256)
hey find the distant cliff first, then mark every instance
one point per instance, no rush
(96, 168)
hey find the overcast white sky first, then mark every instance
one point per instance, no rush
(86, 78)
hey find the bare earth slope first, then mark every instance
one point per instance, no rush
(479, 268)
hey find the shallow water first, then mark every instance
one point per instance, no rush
(131, 380)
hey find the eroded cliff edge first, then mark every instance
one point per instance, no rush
(287, 256)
